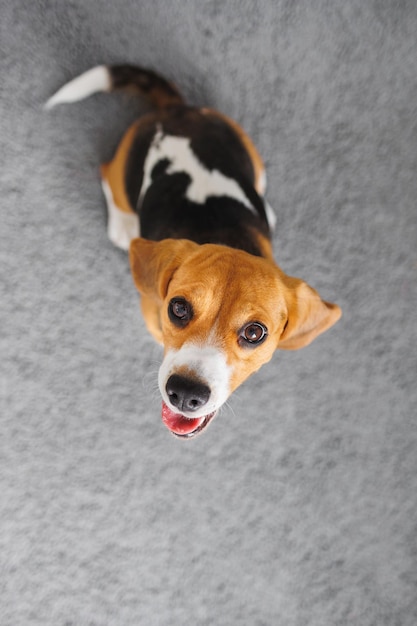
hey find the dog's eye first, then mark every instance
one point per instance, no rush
(252, 334)
(180, 311)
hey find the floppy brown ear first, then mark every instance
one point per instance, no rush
(308, 315)
(153, 263)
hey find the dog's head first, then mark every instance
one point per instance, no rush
(222, 313)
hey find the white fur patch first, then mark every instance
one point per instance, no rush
(92, 81)
(270, 215)
(122, 227)
(269, 211)
(204, 183)
(208, 364)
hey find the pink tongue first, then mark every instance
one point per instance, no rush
(177, 423)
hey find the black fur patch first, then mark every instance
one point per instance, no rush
(143, 80)
(166, 213)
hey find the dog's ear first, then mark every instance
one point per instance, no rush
(153, 263)
(308, 315)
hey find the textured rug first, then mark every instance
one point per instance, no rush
(298, 505)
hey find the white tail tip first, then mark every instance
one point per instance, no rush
(94, 80)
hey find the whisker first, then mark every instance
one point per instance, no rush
(228, 405)
(149, 379)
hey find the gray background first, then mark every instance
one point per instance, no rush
(298, 505)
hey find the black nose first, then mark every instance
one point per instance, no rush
(186, 394)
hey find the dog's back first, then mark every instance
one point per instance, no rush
(186, 172)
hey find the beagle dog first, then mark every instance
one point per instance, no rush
(185, 195)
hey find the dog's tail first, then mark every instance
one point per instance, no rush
(145, 83)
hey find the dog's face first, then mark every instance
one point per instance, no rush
(220, 314)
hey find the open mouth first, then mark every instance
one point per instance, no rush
(184, 427)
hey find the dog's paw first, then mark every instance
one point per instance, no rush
(122, 228)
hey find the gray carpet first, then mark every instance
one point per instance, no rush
(298, 505)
